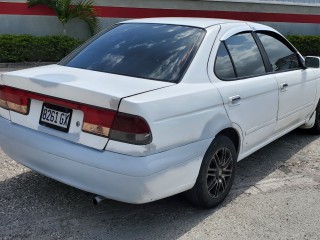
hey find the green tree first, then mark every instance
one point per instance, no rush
(66, 10)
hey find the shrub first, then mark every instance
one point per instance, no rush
(27, 48)
(306, 45)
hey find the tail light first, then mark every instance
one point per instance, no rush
(14, 99)
(99, 121)
(115, 125)
(130, 129)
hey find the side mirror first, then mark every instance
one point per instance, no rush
(312, 62)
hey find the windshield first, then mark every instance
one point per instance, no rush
(151, 51)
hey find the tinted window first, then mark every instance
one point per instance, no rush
(280, 55)
(152, 51)
(223, 66)
(245, 55)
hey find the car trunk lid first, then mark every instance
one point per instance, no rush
(62, 89)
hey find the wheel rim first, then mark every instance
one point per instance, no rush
(219, 172)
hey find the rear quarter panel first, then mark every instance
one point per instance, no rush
(187, 112)
(177, 115)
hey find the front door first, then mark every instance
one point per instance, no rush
(297, 86)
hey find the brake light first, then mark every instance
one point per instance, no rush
(3, 102)
(97, 120)
(130, 129)
(14, 99)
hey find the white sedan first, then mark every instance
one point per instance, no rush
(154, 107)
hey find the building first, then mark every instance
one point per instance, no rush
(287, 16)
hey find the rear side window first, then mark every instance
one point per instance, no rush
(223, 67)
(245, 55)
(152, 51)
(280, 55)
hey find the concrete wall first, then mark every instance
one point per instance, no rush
(288, 18)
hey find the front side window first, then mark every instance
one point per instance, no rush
(151, 51)
(245, 55)
(280, 55)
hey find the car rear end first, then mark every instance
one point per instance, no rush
(58, 119)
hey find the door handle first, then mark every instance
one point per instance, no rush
(283, 87)
(234, 100)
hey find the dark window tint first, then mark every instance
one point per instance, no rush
(280, 55)
(152, 51)
(223, 66)
(245, 55)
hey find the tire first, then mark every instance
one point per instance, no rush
(216, 174)
(316, 127)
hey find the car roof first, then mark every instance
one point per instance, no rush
(184, 21)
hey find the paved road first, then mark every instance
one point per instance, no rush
(276, 196)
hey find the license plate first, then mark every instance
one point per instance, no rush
(55, 117)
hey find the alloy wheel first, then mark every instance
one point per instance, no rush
(219, 172)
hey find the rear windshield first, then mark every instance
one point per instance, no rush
(151, 51)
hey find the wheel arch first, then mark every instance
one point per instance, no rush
(233, 135)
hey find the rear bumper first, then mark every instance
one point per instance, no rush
(112, 175)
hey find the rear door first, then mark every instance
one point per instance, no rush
(297, 86)
(250, 95)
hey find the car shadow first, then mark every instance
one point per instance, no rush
(37, 207)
